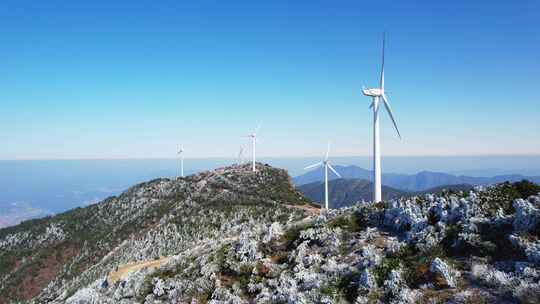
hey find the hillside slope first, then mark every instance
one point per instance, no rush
(232, 236)
(49, 259)
(481, 247)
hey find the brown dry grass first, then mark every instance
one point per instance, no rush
(35, 279)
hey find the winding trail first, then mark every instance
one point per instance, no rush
(126, 269)
(309, 209)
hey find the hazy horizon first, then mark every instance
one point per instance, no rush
(391, 164)
(281, 156)
(39, 187)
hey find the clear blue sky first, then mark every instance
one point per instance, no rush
(114, 79)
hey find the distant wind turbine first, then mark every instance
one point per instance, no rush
(377, 94)
(181, 155)
(326, 164)
(253, 137)
(241, 156)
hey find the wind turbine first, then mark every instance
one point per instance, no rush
(181, 154)
(253, 137)
(326, 164)
(241, 156)
(377, 94)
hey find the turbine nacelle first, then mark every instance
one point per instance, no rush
(324, 163)
(373, 92)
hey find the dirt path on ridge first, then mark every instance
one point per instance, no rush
(126, 269)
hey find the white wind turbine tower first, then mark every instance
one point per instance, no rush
(377, 94)
(326, 164)
(253, 137)
(181, 155)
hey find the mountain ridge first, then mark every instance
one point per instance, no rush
(346, 192)
(420, 181)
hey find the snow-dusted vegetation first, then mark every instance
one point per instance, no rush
(233, 236)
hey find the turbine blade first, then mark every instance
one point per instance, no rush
(313, 166)
(382, 67)
(376, 104)
(334, 170)
(387, 106)
(371, 105)
(327, 151)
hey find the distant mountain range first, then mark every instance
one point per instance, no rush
(411, 182)
(345, 192)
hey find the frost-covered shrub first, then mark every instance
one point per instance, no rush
(405, 215)
(371, 256)
(491, 276)
(223, 295)
(246, 249)
(527, 292)
(274, 231)
(367, 280)
(448, 275)
(527, 216)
